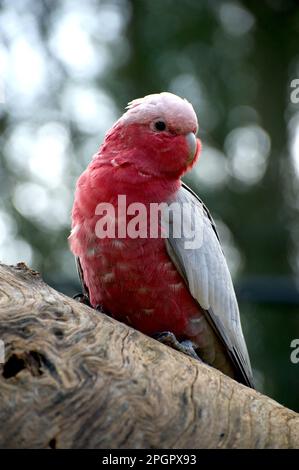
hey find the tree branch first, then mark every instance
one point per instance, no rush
(75, 378)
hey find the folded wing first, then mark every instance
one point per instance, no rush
(206, 273)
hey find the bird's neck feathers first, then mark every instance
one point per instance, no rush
(123, 168)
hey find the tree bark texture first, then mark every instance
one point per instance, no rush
(75, 378)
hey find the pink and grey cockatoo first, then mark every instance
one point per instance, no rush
(184, 296)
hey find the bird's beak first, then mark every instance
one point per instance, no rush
(192, 145)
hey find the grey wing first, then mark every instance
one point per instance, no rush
(204, 268)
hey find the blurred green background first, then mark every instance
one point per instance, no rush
(68, 68)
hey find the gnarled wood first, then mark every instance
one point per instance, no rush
(74, 377)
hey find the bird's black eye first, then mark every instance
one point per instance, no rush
(160, 125)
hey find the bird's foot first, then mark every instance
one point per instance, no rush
(100, 308)
(83, 299)
(186, 346)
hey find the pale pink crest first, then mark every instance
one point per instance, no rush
(177, 112)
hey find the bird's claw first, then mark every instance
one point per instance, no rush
(186, 346)
(82, 298)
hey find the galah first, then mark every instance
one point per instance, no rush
(182, 295)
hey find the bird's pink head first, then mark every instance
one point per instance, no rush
(157, 135)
